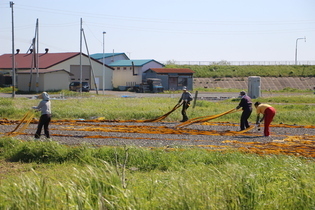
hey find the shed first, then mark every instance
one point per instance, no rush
(47, 80)
(172, 78)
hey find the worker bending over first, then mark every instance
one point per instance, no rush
(268, 113)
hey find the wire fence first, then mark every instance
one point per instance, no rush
(239, 63)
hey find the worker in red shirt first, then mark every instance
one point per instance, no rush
(268, 113)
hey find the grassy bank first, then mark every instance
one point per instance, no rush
(135, 178)
(205, 71)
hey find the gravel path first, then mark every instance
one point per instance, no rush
(159, 134)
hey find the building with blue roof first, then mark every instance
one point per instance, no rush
(128, 73)
(108, 58)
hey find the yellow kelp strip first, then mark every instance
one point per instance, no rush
(161, 117)
(28, 117)
(204, 119)
(247, 129)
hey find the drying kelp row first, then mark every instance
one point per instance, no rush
(283, 143)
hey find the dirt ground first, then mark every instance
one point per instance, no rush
(210, 135)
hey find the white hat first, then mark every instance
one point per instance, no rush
(184, 88)
(44, 96)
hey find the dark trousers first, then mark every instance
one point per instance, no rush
(185, 107)
(244, 119)
(44, 120)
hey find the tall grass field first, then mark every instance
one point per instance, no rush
(48, 175)
(296, 109)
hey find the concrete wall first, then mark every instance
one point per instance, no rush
(49, 81)
(123, 76)
(267, 83)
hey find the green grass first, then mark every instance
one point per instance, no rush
(138, 178)
(204, 71)
(295, 109)
(55, 176)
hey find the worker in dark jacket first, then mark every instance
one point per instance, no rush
(186, 98)
(246, 105)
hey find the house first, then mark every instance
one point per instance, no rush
(109, 57)
(92, 71)
(128, 73)
(172, 79)
(46, 80)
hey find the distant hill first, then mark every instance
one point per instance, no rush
(220, 71)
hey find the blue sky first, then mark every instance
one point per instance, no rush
(199, 30)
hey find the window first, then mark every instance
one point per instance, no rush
(182, 82)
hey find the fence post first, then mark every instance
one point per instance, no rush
(196, 94)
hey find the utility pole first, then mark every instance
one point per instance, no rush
(103, 61)
(91, 67)
(36, 57)
(81, 55)
(13, 55)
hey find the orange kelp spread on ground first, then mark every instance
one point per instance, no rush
(289, 145)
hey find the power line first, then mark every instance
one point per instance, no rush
(155, 20)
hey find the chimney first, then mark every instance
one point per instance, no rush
(46, 50)
(17, 51)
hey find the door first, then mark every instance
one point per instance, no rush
(172, 83)
(76, 71)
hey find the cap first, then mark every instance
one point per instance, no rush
(184, 88)
(242, 93)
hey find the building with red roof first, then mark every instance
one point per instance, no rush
(56, 70)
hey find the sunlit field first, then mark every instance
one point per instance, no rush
(49, 175)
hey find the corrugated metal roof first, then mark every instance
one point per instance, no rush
(99, 56)
(24, 61)
(171, 70)
(129, 62)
